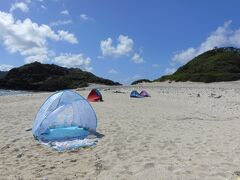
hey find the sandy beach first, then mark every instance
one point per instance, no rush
(184, 131)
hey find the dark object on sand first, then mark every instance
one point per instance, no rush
(119, 92)
(107, 89)
(29, 129)
(237, 173)
(214, 96)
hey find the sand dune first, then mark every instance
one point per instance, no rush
(184, 131)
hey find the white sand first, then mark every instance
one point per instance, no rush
(172, 135)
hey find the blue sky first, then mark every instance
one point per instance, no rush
(120, 40)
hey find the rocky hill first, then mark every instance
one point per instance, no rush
(49, 77)
(3, 74)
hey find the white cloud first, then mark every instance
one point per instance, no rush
(40, 54)
(66, 36)
(60, 22)
(19, 5)
(28, 38)
(43, 7)
(222, 36)
(185, 55)
(169, 71)
(65, 12)
(124, 47)
(74, 61)
(86, 18)
(137, 59)
(5, 67)
(112, 71)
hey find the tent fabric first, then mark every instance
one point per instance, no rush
(135, 94)
(71, 145)
(64, 115)
(144, 93)
(95, 96)
(64, 133)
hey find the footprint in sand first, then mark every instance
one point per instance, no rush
(149, 165)
(73, 160)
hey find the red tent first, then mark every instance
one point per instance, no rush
(94, 96)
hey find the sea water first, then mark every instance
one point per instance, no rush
(10, 92)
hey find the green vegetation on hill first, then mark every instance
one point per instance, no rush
(3, 74)
(219, 64)
(141, 81)
(49, 77)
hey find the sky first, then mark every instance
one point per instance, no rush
(121, 40)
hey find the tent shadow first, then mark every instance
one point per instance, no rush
(97, 134)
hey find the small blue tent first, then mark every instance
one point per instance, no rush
(64, 116)
(135, 94)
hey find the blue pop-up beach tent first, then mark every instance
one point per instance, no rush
(64, 116)
(135, 94)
